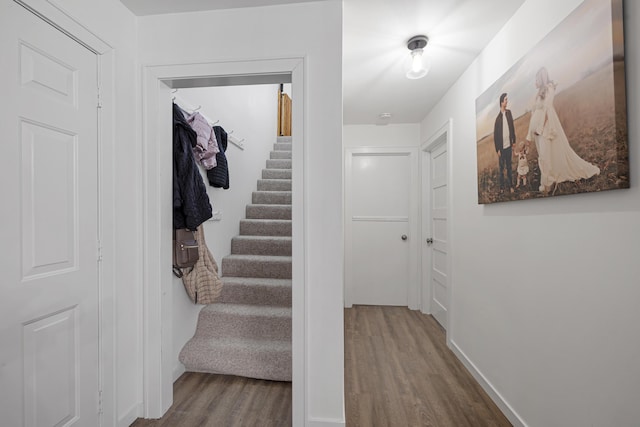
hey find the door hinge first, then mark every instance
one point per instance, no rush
(99, 104)
(99, 251)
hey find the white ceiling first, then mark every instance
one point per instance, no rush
(157, 7)
(374, 47)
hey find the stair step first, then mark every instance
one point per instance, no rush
(276, 173)
(274, 185)
(265, 227)
(258, 291)
(275, 267)
(259, 211)
(274, 155)
(244, 321)
(268, 360)
(284, 139)
(282, 146)
(271, 197)
(261, 245)
(278, 164)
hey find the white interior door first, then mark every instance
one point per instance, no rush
(49, 362)
(380, 234)
(435, 238)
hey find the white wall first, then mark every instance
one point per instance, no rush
(312, 30)
(545, 292)
(250, 112)
(400, 135)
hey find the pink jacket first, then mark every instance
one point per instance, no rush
(207, 146)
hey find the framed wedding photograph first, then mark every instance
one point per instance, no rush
(556, 122)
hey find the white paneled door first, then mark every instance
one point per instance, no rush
(49, 364)
(380, 230)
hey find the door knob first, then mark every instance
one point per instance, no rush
(404, 237)
(430, 241)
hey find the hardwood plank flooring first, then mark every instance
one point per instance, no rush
(225, 401)
(398, 372)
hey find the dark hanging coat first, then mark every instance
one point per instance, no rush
(219, 175)
(191, 205)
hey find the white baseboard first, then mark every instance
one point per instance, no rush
(497, 398)
(130, 416)
(325, 422)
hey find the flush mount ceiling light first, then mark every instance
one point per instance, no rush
(383, 119)
(418, 67)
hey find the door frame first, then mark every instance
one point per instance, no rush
(413, 287)
(442, 135)
(157, 81)
(53, 14)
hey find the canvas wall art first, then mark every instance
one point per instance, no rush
(556, 122)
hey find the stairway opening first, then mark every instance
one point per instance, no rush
(157, 297)
(247, 332)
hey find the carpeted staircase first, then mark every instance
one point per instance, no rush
(248, 333)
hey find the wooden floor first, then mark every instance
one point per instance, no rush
(225, 401)
(398, 372)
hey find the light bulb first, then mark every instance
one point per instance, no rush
(417, 69)
(416, 60)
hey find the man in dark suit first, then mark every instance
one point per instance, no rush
(504, 138)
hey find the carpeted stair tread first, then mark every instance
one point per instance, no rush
(274, 185)
(268, 360)
(271, 197)
(256, 290)
(260, 211)
(261, 245)
(278, 164)
(282, 146)
(276, 267)
(244, 321)
(246, 310)
(276, 173)
(280, 155)
(265, 227)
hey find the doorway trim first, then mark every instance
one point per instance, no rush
(441, 136)
(157, 81)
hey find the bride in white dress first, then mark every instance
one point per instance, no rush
(556, 159)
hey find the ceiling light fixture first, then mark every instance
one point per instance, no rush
(383, 119)
(418, 67)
